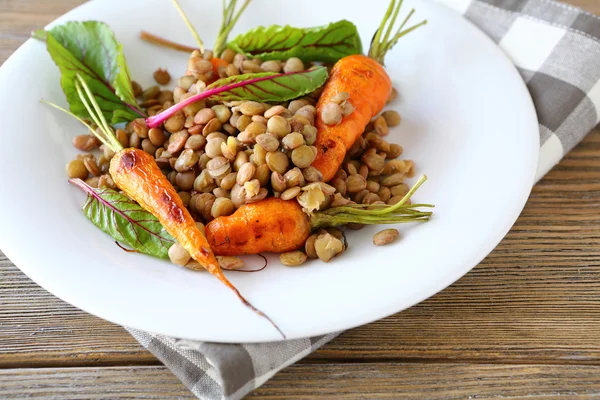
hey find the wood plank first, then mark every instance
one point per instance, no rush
(19, 17)
(431, 381)
(92, 383)
(328, 381)
(38, 328)
(534, 299)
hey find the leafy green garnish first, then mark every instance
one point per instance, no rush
(262, 87)
(325, 43)
(40, 35)
(91, 50)
(124, 220)
(268, 86)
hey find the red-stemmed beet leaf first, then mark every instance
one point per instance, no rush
(322, 43)
(125, 221)
(262, 87)
(91, 50)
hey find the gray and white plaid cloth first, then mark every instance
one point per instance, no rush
(556, 48)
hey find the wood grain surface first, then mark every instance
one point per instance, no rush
(325, 381)
(524, 323)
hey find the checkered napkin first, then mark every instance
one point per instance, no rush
(557, 51)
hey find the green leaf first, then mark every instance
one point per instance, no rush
(325, 43)
(269, 86)
(122, 115)
(262, 87)
(124, 220)
(39, 34)
(122, 82)
(90, 49)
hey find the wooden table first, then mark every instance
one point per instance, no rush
(526, 322)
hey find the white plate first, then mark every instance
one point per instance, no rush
(468, 122)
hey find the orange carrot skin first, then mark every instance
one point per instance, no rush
(218, 62)
(136, 173)
(369, 87)
(270, 225)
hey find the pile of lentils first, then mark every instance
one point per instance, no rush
(220, 156)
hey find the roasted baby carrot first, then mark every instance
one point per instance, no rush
(369, 87)
(364, 78)
(136, 173)
(275, 225)
(270, 225)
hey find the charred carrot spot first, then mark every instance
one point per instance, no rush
(176, 214)
(173, 210)
(282, 226)
(257, 230)
(330, 144)
(240, 241)
(165, 198)
(364, 73)
(128, 160)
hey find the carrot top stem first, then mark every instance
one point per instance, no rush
(396, 11)
(189, 25)
(230, 18)
(382, 42)
(400, 212)
(105, 133)
(54, 105)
